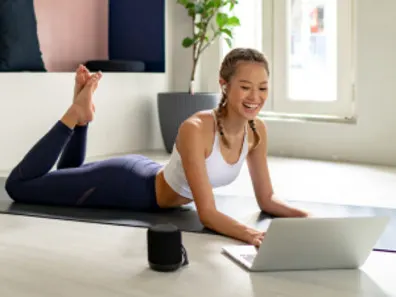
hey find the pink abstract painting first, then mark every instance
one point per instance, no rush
(72, 32)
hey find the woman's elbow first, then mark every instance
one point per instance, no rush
(207, 218)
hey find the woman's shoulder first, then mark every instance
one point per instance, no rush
(197, 127)
(199, 122)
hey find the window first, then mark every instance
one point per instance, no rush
(249, 34)
(310, 47)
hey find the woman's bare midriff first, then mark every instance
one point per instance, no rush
(166, 196)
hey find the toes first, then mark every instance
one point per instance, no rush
(85, 73)
(79, 70)
(94, 79)
(82, 74)
(85, 69)
(79, 78)
(99, 76)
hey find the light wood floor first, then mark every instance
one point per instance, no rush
(40, 257)
(46, 258)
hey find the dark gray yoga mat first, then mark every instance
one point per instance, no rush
(242, 208)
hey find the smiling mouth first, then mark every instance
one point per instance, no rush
(251, 106)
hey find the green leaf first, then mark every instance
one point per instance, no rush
(194, 8)
(185, 3)
(227, 31)
(229, 42)
(209, 4)
(233, 3)
(221, 19)
(182, 2)
(187, 42)
(217, 3)
(199, 8)
(233, 21)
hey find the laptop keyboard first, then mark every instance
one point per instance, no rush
(248, 257)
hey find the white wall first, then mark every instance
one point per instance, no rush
(373, 138)
(126, 117)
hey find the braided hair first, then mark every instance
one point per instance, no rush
(227, 70)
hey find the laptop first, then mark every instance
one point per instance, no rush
(312, 244)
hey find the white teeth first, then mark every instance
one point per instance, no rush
(251, 105)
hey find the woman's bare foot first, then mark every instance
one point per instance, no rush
(81, 111)
(81, 78)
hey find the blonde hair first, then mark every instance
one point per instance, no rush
(227, 70)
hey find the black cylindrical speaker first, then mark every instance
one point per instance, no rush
(165, 249)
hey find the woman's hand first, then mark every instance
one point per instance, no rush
(299, 213)
(255, 237)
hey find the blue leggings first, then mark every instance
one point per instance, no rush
(124, 182)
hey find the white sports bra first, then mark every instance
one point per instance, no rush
(220, 172)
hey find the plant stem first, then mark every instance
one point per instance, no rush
(208, 43)
(194, 54)
(199, 48)
(191, 91)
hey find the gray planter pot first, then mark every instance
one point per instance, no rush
(174, 108)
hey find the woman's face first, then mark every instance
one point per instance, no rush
(247, 90)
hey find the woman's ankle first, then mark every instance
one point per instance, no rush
(70, 118)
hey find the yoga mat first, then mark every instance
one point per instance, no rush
(242, 208)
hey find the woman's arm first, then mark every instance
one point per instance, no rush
(191, 146)
(259, 172)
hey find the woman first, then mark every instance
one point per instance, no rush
(209, 151)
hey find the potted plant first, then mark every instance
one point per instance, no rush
(212, 19)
